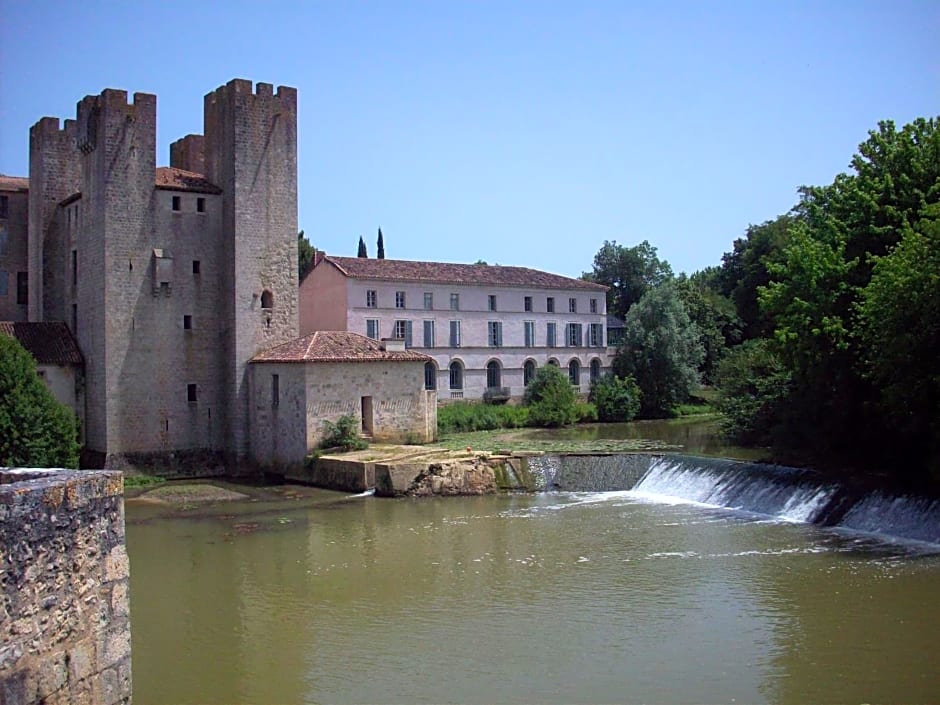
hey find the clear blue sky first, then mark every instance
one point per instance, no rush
(522, 133)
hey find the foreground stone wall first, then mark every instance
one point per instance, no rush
(65, 631)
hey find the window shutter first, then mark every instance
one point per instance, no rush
(407, 334)
(499, 335)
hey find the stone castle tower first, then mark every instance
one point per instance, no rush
(170, 278)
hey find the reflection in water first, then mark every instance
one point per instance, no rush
(604, 597)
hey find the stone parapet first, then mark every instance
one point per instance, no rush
(65, 630)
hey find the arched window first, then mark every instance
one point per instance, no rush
(554, 362)
(528, 372)
(267, 299)
(595, 370)
(430, 376)
(574, 373)
(492, 374)
(456, 375)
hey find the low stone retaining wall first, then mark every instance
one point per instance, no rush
(336, 474)
(65, 632)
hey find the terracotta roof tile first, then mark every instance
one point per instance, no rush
(450, 273)
(13, 183)
(336, 346)
(51, 342)
(169, 177)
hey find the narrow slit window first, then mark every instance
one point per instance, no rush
(200, 205)
(191, 394)
(275, 390)
(187, 322)
(177, 203)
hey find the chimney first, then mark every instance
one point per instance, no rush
(393, 345)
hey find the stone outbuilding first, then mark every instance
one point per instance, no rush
(59, 362)
(297, 386)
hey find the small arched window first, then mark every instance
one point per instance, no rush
(267, 299)
(528, 372)
(595, 370)
(456, 375)
(574, 373)
(492, 374)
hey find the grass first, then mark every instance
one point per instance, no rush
(505, 439)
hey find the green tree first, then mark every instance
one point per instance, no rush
(380, 245)
(753, 389)
(550, 398)
(629, 272)
(362, 249)
(661, 350)
(714, 316)
(35, 429)
(305, 255)
(900, 332)
(616, 398)
(745, 270)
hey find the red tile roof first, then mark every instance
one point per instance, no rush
(336, 346)
(13, 183)
(449, 273)
(169, 177)
(51, 343)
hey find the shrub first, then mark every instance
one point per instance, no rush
(343, 434)
(550, 398)
(616, 398)
(35, 429)
(462, 417)
(585, 412)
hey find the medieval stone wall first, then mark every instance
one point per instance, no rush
(64, 624)
(14, 256)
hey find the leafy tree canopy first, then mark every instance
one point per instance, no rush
(629, 272)
(661, 350)
(550, 398)
(35, 429)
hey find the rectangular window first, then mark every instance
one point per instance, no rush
(529, 327)
(550, 304)
(455, 302)
(372, 328)
(275, 390)
(491, 302)
(428, 301)
(573, 335)
(593, 305)
(495, 334)
(399, 330)
(4, 207)
(187, 322)
(596, 335)
(371, 299)
(200, 205)
(550, 334)
(455, 334)
(191, 393)
(527, 303)
(399, 299)
(4, 284)
(572, 305)
(196, 266)
(22, 288)
(177, 203)
(429, 334)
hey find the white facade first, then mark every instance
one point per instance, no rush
(481, 336)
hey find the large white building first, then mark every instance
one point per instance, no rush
(488, 328)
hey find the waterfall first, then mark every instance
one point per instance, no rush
(793, 494)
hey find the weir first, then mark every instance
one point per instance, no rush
(788, 493)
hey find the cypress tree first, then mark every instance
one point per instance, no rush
(362, 248)
(381, 246)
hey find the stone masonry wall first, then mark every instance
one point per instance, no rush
(64, 607)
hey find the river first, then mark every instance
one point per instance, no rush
(307, 596)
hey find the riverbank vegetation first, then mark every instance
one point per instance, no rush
(821, 327)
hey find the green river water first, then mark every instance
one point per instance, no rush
(308, 596)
